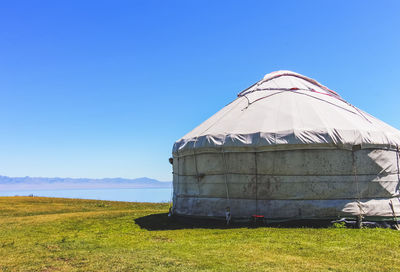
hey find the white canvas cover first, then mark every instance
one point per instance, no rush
(288, 147)
(284, 110)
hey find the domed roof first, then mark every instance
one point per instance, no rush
(286, 110)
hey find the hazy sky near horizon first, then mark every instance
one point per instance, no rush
(104, 88)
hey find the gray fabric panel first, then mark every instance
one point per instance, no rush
(295, 209)
(299, 175)
(294, 162)
(288, 187)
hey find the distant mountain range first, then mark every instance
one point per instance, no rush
(39, 183)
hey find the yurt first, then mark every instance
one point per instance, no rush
(288, 148)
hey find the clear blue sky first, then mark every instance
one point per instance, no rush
(104, 88)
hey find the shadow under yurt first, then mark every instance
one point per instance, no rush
(288, 148)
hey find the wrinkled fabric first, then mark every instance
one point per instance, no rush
(270, 114)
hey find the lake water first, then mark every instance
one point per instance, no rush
(133, 195)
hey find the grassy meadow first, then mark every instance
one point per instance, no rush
(53, 234)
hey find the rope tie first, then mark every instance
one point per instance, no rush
(225, 176)
(398, 197)
(355, 175)
(396, 224)
(197, 171)
(175, 194)
(228, 208)
(255, 163)
(281, 90)
(398, 169)
(360, 215)
(310, 80)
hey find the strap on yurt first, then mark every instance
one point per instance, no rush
(328, 92)
(398, 176)
(398, 165)
(256, 172)
(396, 224)
(177, 186)
(196, 169)
(228, 207)
(226, 178)
(360, 216)
(310, 80)
(281, 90)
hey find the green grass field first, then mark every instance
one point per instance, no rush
(51, 234)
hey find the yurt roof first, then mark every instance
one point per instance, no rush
(286, 110)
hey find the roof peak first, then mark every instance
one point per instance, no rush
(281, 73)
